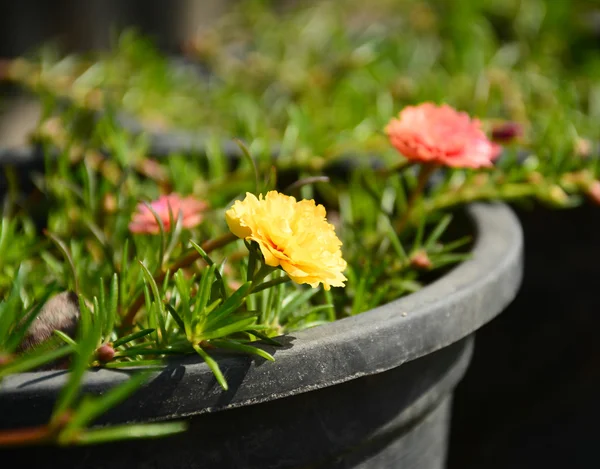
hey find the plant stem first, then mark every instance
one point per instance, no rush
(181, 263)
(470, 194)
(293, 188)
(25, 436)
(424, 174)
(270, 283)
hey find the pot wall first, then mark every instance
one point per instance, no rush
(368, 391)
(395, 419)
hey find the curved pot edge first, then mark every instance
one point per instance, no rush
(467, 297)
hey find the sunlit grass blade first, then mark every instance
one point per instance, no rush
(237, 326)
(87, 341)
(92, 407)
(243, 348)
(437, 232)
(33, 360)
(157, 299)
(113, 304)
(293, 301)
(133, 351)
(394, 239)
(129, 432)
(161, 228)
(175, 315)
(271, 283)
(17, 335)
(132, 336)
(230, 305)
(210, 263)
(248, 156)
(158, 364)
(68, 257)
(65, 338)
(214, 366)
(265, 338)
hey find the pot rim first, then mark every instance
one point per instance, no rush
(443, 312)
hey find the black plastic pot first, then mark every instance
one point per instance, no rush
(370, 391)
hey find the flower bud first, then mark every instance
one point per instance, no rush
(420, 260)
(507, 132)
(594, 192)
(105, 353)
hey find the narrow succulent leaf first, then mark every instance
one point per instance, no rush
(265, 338)
(132, 336)
(243, 348)
(33, 360)
(158, 363)
(210, 263)
(230, 305)
(175, 315)
(437, 232)
(129, 432)
(161, 230)
(65, 338)
(16, 336)
(91, 408)
(224, 331)
(214, 366)
(113, 304)
(248, 156)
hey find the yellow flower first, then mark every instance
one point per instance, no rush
(293, 235)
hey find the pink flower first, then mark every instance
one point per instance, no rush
(441, 135)
(191, 209)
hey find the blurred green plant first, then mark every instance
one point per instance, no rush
(317, 83)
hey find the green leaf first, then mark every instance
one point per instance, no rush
(161, 228)
(87, 342)
(33, 360)
(205, 288)
(129, 432)
(132, 336)
(92, 407)
(265, 338)
(230, 305)
(248, 156)
(214, 366)
(176, 317)
(210, 263)
(175, 232)
(65, 338)
(17, 335)
(68, 257)
(437, 232)
(300, 297)
(157, 299)
(236, 326)
(243, 348)
(113, 304)
(271, 283)
(157, 363)
(133, 351)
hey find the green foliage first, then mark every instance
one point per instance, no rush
(316, 85)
